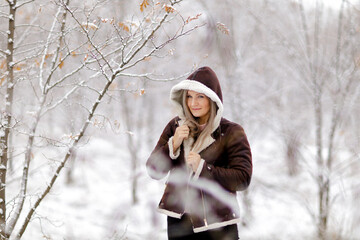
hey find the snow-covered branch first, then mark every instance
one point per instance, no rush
(150, 76)
(20, 4)
(47, 44)
(64, 98)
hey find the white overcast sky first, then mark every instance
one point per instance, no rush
(335, 3)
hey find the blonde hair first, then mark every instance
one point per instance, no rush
(195, 132)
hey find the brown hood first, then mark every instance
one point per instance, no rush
(205, 81)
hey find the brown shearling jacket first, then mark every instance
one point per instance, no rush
(209, 196)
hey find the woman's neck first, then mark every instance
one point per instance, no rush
(202, 126)
(204, 119)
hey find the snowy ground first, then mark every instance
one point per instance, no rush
(98, 205)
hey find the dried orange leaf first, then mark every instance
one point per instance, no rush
(61, 64)
(3, 64)
(124, 27)
(222, 28)
(143, 5)
(189, 19)
(169, 9)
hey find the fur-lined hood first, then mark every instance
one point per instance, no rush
(205, 81)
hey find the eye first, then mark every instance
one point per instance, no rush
(201, 96)
(188, 96)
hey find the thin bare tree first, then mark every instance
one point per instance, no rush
(59, 69)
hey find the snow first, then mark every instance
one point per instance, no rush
(98, 204)
(90, 25)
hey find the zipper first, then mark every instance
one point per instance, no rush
(204, 208)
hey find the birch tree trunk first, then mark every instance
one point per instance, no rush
(7, 118)
(133, 144)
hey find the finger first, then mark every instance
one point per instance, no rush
(183, 135)
(189, 161)
(185, 126)
(185, 129)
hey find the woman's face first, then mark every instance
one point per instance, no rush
(199, 105)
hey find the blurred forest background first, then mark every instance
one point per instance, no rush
(84, 97)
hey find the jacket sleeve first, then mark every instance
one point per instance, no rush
(236, 174)
(162, 158)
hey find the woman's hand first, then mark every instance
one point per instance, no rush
(181, 133)
(193, 160)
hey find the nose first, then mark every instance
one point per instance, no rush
(193, 102)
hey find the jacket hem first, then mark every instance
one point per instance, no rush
(217, 225)
(170, 213)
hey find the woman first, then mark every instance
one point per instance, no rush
(208, 159)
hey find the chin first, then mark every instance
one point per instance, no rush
(197, 115)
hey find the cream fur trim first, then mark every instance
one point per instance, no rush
(170, 213)
(187, 148)
(171, 149)
(217, 225)
(199, 169)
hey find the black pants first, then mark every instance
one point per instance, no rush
(181, 229)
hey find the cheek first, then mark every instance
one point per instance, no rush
(206, 104)
(188, 102)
